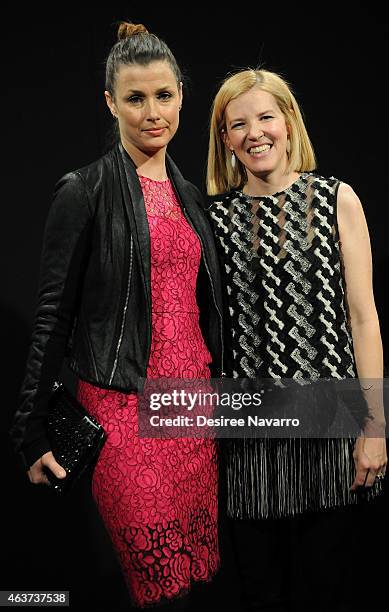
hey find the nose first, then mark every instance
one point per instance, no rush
(255, 131)
(152, 110)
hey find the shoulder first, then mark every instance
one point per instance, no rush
(83, 182)
(352, 223)
(95, 172)
(70, 184)
(322, 183)
(345, 201)
(349, 206)
(206, 202)
(347, 197)
(90, 173)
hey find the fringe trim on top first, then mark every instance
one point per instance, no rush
(274, 478)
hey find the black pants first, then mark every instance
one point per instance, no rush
(314, 562)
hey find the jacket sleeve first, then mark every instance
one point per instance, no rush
(63, 255)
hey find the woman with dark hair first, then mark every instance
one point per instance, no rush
(299, 305)
(128, 266)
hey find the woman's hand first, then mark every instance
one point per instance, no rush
(36, 472)
(370, 461)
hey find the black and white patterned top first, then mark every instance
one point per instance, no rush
(286, 316)
(286, 310)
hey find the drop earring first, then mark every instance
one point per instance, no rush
(233, 160)
(288, 146)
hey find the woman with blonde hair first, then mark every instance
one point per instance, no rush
(296, 268)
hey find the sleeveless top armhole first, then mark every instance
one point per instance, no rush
(338, 243)
(336, 226)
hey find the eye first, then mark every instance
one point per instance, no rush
(135, 99)
(267, 117)
(237, 125)
(164, 95)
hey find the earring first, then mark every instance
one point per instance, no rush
(233, 160)
(288, 146)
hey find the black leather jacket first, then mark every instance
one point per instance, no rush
(94, 299)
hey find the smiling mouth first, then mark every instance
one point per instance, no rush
(261, 149)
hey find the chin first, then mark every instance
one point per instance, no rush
(261, 168)
(156, 146)
(162, 141)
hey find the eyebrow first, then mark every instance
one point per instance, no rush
(242, 118)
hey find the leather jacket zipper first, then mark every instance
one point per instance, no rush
(124, 314)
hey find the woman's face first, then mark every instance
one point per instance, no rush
(257, 132)
(146, 102)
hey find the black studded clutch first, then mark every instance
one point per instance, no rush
(75, 437)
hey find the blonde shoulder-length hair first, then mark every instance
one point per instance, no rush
(221, 176)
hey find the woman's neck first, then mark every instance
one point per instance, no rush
(269, 184)
(151, 165)
(153, 169)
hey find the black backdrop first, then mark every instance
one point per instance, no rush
(54, 120)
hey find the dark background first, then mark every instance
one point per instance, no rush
(54, 120)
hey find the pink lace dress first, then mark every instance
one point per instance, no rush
(158, 497)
